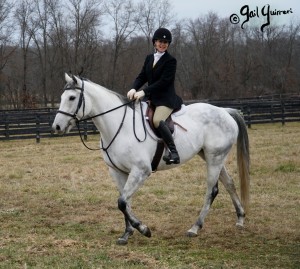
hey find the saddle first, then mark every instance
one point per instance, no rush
(149, 117)
(160, 144)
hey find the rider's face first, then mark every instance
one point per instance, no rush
(161, 45)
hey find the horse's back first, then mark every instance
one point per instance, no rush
(207, 127)
(211, 116)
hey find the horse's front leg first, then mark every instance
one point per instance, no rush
(132, 221)
(123, 240)
(135, 180)
(120, 180)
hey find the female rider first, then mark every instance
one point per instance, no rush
(159, 71)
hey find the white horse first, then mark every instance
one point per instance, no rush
(208, 131)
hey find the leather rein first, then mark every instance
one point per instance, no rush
(81, 102)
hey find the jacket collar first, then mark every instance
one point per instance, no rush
(161, 60)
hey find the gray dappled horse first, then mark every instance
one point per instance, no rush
(208, 131)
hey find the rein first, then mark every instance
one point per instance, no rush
(120, 127)
(82, 102)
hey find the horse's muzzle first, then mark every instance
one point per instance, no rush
(61, 129)
(57, 129)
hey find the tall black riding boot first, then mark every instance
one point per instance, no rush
(168, 139)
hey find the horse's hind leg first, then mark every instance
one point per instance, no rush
(211, 193)
(229, 185)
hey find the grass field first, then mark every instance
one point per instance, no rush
(58, 209)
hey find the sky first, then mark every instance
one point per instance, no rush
(191, 9)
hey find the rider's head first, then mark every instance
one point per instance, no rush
(161, 39)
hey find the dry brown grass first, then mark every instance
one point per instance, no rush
(58, 209)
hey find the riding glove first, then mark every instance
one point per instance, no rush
(139, 95)
(131, 93)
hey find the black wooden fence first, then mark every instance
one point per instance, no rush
(36, 123)
(258, 111)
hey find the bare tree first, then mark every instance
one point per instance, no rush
(6, 47)
(204, 42)
(290, 72)
(123, 14)
(40, 23)
(23, 15)
(72, 35)
(58, 48)
(154, 14)
(226, 68)
(6, 27)
(215, 59)
(181, 48)
(85, 20)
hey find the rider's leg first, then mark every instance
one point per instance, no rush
(160, 115)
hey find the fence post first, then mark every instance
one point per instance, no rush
(85, 127)
(283, 113)
(38, 138)
(50, 120)
(6, 127)
(249, 115)
(272, 112)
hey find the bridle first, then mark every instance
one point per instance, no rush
(81, 102)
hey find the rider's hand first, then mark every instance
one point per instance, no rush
(130, 94)
(138, 95)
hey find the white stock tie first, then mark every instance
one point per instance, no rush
(157, 56)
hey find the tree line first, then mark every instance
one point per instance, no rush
(106, 41)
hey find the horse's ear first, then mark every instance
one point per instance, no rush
(68, 78)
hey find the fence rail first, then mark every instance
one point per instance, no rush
(257, 111)
(36, 123)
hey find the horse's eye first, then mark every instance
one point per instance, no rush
(72, 98)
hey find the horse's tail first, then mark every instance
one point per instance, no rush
(243, 158)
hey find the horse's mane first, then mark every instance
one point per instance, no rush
(123, 98)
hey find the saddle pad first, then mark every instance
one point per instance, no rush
(180, 112)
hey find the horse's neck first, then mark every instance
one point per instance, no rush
(102, 101)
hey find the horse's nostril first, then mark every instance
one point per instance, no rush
(57, 127)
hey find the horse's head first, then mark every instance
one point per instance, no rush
(71, 107)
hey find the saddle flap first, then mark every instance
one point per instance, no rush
(149, 116)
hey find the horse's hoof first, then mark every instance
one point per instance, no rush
(191, 234)
(240, 226)
(122, 242)
(145, 231)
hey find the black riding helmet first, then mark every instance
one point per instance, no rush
(162, 34)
